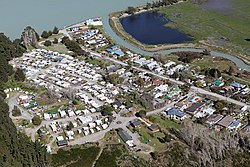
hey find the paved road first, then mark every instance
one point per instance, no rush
(198, 90)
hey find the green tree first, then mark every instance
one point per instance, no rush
(55, 30)
(131, 10)
(55, 41)
(19, 75)
(47, 43)
(142, 113)
(106, 110)
(70, 126)
(36, 120)
(45, 34)
(16, 111)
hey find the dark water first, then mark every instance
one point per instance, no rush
(222, 6)
(149, 28)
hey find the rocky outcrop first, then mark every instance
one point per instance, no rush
(30, 38)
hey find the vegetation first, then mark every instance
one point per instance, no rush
(106, 110)
(110, 156)
(55, 30)
(16, 148)
(19, 75)
(213, 28)
(82, 156)
(36, 120)
(47, 43)
(16, 111)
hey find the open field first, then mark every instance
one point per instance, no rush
(212, 28)
(76, 157)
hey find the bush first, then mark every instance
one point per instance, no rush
(47, 43)
(36, 120)
(55, 41)
(16, 111)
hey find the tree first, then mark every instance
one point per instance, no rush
(19, 75)
(47, 43)
(141, 113)
(16, 111)
(45, 34)
(36, 120)
(131, 10)
(70, 126)
(55, 41)
(50, 33)
(106, 110)
(55, 30)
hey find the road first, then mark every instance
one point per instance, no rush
(196, 89)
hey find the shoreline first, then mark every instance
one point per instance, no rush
(117, 27)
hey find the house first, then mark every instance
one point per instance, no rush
(218, 83)
(126, 138)
(85, 119)
(234, 125)
(239, 113)
(194, 108)
(62, 143)
(135, 123)
(213, 119)
(237, 85)
(226, 121)
(153, 128)
(175, 113)
(46, 116)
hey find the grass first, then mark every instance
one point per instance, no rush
(110, 155)
(208, 62)
(225, 31)
(76, 157)
(146, 136)
(164, 122)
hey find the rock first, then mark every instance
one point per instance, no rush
(30, 38)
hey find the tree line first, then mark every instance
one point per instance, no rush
(16, 148)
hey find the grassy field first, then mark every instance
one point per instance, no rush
(209, 62)
(164, 122)
(211, 27)
(110, 155)
(76, 157)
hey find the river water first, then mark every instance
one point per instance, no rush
(15, 15)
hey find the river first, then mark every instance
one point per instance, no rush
(15, 15)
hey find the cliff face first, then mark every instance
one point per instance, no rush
(30, 38)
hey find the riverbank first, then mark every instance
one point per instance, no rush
(201, 44)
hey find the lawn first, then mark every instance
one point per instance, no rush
(216, 28)
(146, 135)
(76, 157)
(163, 122)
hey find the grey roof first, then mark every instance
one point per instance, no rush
(214, 118)
(226, 121)
(136, 123)
(152, 127)
(176, 112)
(62, 143)
(124, 136)
(194, 107)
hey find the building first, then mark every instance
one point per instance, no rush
(175, 113)
(153, 128)
(85, 120)
(226, 121)
(135, 123)
(213, 119)
(126, 138)
(61, 143)
(194, 108)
